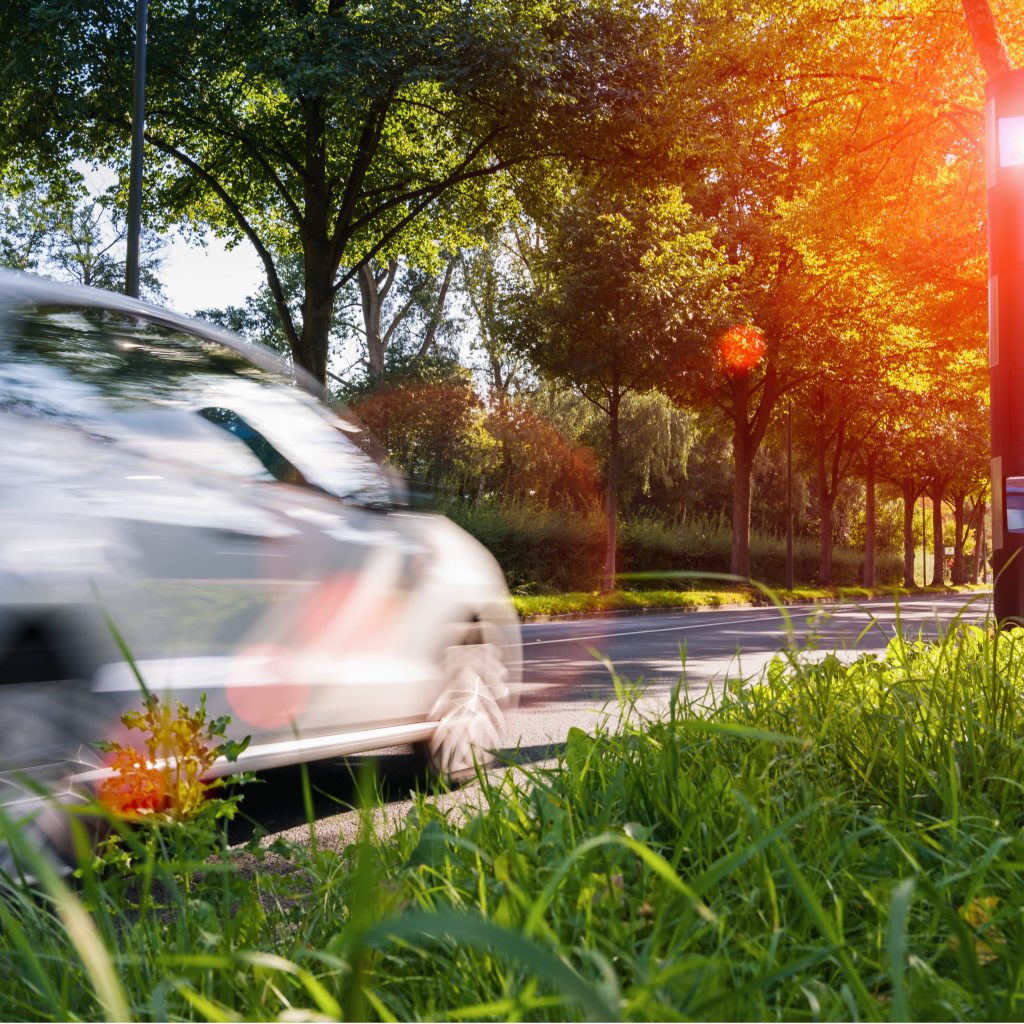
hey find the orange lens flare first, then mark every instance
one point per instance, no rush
(137, 789)
(742, 347)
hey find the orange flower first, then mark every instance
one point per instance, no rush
(137, 789)
(742, 348)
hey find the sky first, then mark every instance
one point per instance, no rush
(201, 277)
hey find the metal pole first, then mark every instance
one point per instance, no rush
(1004, 184)
(789, 498)
(131, 275)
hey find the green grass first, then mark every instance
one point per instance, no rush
(528, 605)
(834, 842)
(594, 602)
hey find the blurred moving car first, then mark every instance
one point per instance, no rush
(165, 478)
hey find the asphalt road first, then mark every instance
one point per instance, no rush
(568, 665)
(567, 681)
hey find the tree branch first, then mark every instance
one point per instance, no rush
(435, 319)
(389, 280)
(988, 42)
(369, 140)
(401, 225)
(273, 280)
(458, 175)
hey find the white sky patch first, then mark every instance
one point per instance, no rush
(202, 277)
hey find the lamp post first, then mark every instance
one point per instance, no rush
(132, 260)
(1004, 180)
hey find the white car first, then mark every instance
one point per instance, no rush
(164, 476)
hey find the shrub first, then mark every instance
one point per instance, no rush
(559, 549)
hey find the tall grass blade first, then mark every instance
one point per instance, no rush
(896, 946)
(78, 924)
(479, 932)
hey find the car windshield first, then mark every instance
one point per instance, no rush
(178, 397)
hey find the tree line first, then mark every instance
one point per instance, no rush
(555, 250)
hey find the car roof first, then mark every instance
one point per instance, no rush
(18, 288)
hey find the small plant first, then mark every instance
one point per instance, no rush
(166, 783)
(181, 747)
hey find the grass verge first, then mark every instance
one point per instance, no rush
(531, 606)
(834, 842)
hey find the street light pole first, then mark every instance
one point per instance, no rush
(132, 261)
(1004, 181)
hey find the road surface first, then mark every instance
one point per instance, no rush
(566, 672)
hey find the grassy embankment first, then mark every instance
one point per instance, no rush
(593, 602)
(834, 843)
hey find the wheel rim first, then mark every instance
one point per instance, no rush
(469, 713)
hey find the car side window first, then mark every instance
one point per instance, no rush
(178, 396)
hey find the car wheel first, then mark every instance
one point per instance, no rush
(469, 712)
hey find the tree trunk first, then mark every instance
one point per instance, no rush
(370, 302)
(309, 347)
(959, 537)
(869, 523)
(909, 495)
(743, 463)
(988, 41)
(748, 433)
(825, 503)
(611, 501)
(317, 316)
(938, 541)
(980, 568)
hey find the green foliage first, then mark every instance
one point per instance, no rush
(62, 230)
(324, 131)
(656, 439)
(634, 282)
(560, 550)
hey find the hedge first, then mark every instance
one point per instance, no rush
(543, 549)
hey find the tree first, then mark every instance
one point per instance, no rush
(428, 420)
(633, 282)
(656, 438)
(539, 462)
(30, 216)
(495, 275)
(336, 133)
(416, 298)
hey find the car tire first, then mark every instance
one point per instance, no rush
(470, 711)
